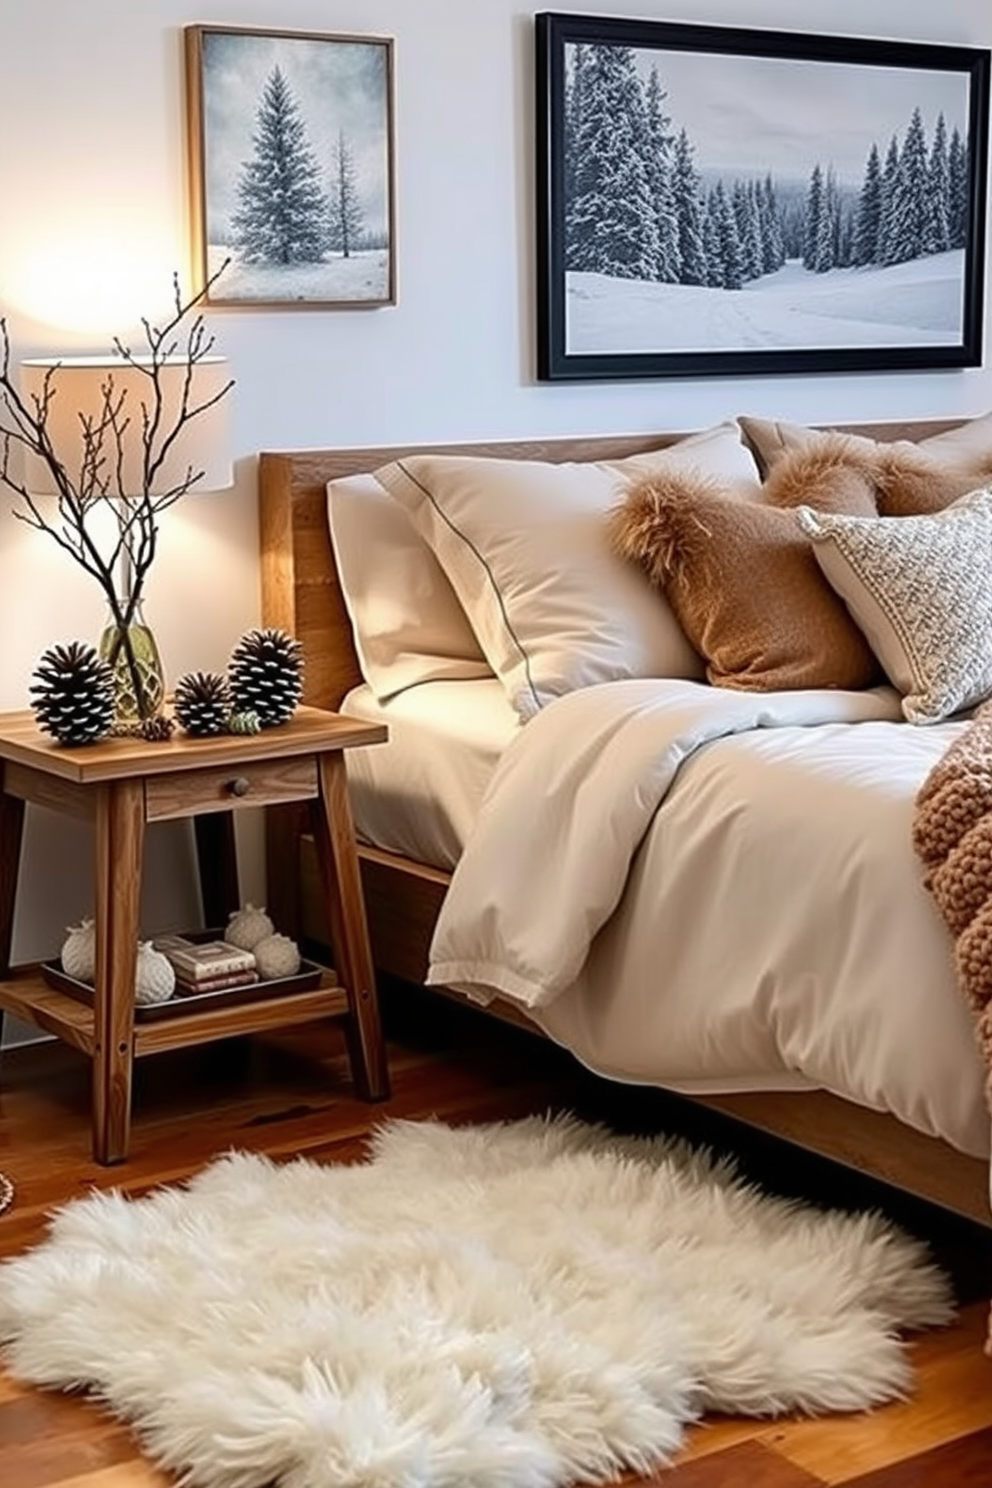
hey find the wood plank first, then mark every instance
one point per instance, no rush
(748, 1463)
(133, 1472)
(965, 1463)
(188, 792)
(291, 1093)
(334, 836)
(205, 1026)
(29, 998)
(118, 857)
(860, 1138)
(11, 841)
(112, 758)
(289, 528)
(952, 1397)
(41, 789)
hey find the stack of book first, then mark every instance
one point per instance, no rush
(207, 965)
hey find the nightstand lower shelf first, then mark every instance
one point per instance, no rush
(26, 995)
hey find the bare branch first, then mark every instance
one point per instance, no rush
(104, 437)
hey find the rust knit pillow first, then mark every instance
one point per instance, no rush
(952, 835)
(744, 584)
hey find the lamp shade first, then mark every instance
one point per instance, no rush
(77, 393)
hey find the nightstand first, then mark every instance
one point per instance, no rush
(122, 785)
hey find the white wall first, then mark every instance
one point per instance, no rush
(93, 223)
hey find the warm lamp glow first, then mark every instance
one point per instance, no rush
(77, 386)
(79, 283)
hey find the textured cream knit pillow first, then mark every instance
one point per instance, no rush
(920, 588)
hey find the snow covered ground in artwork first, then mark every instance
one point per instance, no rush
(911, 304)
(362, 277)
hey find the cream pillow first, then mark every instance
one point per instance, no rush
(920, 588)
(969, 443)
(406, 620)
(526, 548)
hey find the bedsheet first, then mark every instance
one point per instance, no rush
(419, 793)
(717, 890)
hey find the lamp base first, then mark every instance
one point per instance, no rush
(139, 682)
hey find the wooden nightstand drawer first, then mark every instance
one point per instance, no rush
(187, 792)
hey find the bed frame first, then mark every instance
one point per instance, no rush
(301, 593)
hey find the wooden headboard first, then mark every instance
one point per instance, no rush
(300, 588)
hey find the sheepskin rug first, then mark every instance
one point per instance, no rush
(516, 1305)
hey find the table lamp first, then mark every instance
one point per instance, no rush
(137, 433)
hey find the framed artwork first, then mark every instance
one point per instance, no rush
(290, 139)
(720, 202)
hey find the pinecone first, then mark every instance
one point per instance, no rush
(74, 693)
(156, 730)
(265, 675)
(244, 723)
(202, 703)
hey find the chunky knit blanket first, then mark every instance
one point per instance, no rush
(952, 834)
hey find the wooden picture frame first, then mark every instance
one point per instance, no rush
(309, 114)
(715, 201)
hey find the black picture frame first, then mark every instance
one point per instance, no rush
(806, 109)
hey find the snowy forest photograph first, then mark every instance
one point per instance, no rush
(291, 167)
(723, 202)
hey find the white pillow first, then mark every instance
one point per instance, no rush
(526, 547)
(405, 616)
(920, 588)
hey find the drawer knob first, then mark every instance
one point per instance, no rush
(239, 786)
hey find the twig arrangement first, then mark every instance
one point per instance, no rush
(24, 424)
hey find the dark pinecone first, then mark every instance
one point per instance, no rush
(73, 697)
(265, 675)
(202, 703)
(156, 730)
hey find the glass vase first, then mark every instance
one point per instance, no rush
(139, 683)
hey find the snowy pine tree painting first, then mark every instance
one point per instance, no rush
(283, 215)
(726, 201)
(295, 169)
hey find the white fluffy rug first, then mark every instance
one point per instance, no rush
(508, 1306)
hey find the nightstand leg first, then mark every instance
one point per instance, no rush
(334, 835)
(11, 835)
(120, 833)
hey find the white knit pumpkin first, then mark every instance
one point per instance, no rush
(276, 956)
(155, 977)
(247, 927)
(79, 952)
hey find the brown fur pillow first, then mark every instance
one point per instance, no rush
(743, 581)
(910, 480)
(830, 474)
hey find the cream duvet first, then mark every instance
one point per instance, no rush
(714, 890)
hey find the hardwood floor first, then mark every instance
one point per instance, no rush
(291, 1094)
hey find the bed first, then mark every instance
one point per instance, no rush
(914, 1114)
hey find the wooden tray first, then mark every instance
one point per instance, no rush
(307, 978)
